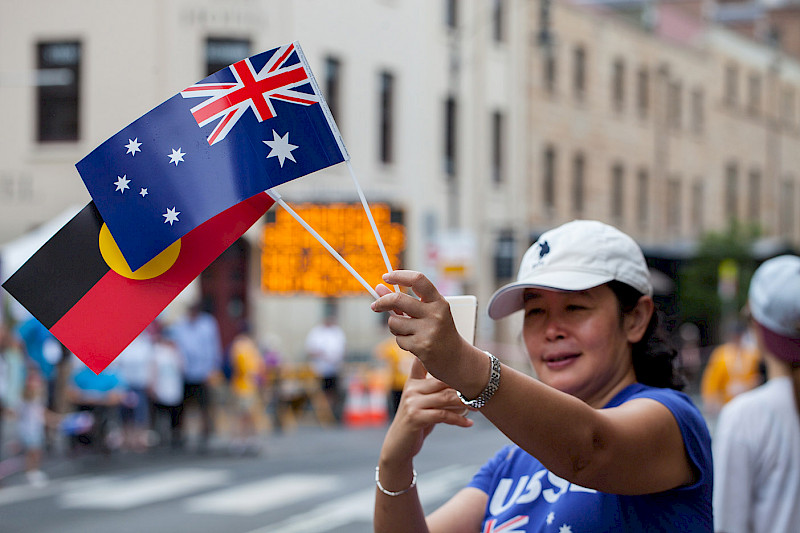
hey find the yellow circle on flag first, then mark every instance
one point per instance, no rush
(115, 260)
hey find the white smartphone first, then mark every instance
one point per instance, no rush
(465, 313)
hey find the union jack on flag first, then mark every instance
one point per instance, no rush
(253, 89)
(163, 175)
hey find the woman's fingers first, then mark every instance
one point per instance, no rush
(418, 283)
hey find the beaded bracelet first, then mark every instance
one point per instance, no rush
(399, 492)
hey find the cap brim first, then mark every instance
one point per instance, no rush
(508, 299)
(784, 348)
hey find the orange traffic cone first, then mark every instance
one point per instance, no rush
(378, 414)
(356, 404)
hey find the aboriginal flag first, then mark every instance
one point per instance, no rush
(79, 286)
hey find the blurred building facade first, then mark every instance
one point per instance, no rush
(484, 123)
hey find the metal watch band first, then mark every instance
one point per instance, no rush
(491, 387)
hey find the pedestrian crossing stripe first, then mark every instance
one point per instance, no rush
(261, 496)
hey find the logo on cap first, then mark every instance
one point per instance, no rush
(544, 249)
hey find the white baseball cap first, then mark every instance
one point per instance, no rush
(774, 299)
(575, 256)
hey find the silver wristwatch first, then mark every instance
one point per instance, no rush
(491, 387)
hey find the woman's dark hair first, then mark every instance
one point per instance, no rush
(653, 356)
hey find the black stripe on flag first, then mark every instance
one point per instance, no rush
(61, 271)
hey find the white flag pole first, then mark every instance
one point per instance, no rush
(371, 222)
(277, 197)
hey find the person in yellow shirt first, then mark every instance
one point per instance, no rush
(247, 370)
(733, 368)
(399, 363)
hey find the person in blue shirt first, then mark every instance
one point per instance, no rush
(602, 440)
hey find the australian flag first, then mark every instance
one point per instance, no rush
(251, 126)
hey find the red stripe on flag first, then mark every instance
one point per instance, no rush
(117, 309)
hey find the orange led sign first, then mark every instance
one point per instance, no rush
(292, 261)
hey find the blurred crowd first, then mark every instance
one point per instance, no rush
(175, 386)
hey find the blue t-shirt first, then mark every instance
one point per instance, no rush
(525, 497)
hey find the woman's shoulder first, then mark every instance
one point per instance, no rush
(670, 397)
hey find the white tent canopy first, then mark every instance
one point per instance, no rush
(13, 254)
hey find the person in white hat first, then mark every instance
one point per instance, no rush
(602, 441)
(757, 438)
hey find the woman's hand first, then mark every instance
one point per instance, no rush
(426, 401)
(423, 327)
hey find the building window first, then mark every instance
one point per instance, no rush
(788, 209)
(642, 196)
(578, 183)
(697, 206)
(618, 84)
(498, 20)
(579, 73)
(451, 13)
(617, 191)
(732, 191)
(333, 86)
(58, 91)
(221, 53)
(675, 105)
(643, 92)
(788, 107)
(549, 178)
(386, 116)
(549, 68)
(698, 111)
(754, 196)
(731, 85)
(450, 132)
(754, 94)
(504, 263)
(498, 125)
(673, 203)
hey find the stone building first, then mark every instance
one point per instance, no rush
(481, 124)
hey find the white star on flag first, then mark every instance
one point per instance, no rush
(122, 183)
(133, 146)
(280, 148)
(176, 156)
(171, 216)
(143, 192)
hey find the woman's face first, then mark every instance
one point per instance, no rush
(576, 342)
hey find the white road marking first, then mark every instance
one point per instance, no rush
(128, 493)
(261, 496)
(358, 506)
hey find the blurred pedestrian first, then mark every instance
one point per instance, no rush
(133, 367)
(166, 385)
(31, 415)
(12, 376)
(732, 368)
(757, 438)
(325, 346)
(99, 395)
(197, 338)
(603, 441)
(248, 372)
(689, 356)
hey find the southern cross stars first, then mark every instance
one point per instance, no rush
(171, 216)
(176, 156)
(280, 148)
(143, 192)
(122, 183)
(133, 146)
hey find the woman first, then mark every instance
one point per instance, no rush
(602, 441)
